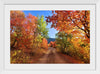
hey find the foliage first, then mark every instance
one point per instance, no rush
(22, 30)
(45, 43)
(28, 34)
(76, 24)
(68, 20)
(42, 27)
(63, 41)
(52, 44)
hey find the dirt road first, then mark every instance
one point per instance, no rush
(53, 57)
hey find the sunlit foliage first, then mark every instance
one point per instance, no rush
(77, 24)
(27, 34)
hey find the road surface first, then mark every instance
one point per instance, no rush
(51, 56)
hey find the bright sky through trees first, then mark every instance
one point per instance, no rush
(45, 13)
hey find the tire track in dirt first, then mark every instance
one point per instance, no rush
(51, 57)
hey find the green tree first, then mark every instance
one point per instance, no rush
(63, 41)
(41, 28)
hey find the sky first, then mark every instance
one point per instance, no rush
(45, 13)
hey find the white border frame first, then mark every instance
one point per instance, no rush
(90, 66)
(3, 71)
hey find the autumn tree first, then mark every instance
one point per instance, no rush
(41, 32)
(63, 41)
(16, 18)
(44, 43)
(29, 29)
(52, 44)
(22, 29)
(68, 20)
